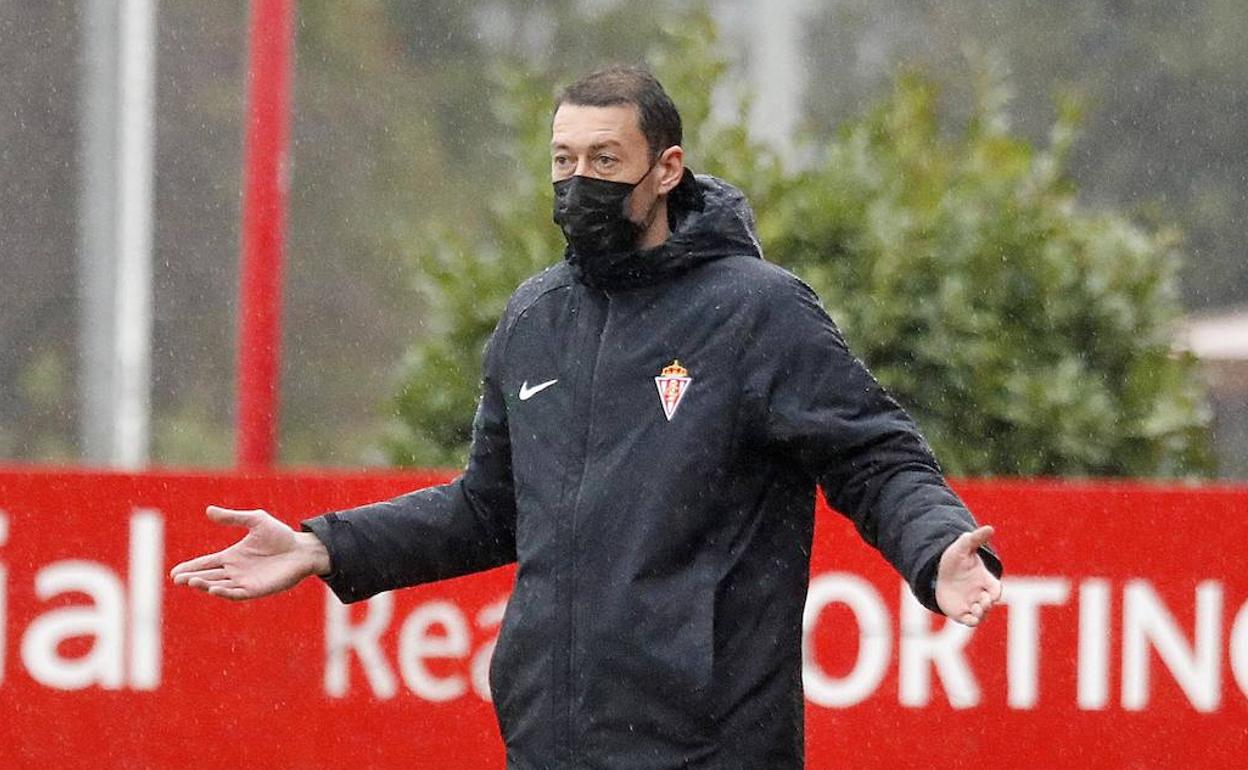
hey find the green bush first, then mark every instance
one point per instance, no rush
(1024, 334)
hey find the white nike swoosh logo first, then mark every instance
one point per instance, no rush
(526, 392)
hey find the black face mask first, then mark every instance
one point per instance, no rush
(593, 214)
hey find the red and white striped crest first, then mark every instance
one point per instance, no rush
(673, 382)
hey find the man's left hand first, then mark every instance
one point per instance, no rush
(965, 589)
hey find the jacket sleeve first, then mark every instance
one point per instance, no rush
(465, 526)
(822, 408)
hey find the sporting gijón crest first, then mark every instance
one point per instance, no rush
(673, 383)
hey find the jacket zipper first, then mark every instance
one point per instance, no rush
(592, 346)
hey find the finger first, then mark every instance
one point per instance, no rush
(208, 561)
(207, 574)
(980, 537)
(232, 517)
(204, 584)
(996, 588)
(967, 619)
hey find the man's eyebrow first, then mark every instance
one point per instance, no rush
(595, 146)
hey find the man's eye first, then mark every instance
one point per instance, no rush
(605, 160)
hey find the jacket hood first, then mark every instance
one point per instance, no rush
(709, 218)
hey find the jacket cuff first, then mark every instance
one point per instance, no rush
(339, 541)
(924, 586)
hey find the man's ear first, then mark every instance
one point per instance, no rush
(671, 168)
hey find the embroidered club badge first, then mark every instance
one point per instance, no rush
(673, 382)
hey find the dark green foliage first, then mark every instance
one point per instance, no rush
(1025, 336)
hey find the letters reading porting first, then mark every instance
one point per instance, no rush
(1194, 661)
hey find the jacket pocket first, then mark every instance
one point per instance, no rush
(519, 672)
(648, 674)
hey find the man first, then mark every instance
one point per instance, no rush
(656, 411)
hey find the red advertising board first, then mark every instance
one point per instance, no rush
(1123, 641)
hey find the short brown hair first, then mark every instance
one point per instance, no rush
(628, 84)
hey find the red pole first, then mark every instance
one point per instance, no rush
(265, 183)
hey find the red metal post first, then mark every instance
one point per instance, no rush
(265, 184)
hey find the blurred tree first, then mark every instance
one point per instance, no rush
(1163, 81)
(1026, 336)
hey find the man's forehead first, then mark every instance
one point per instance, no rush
(582, 125)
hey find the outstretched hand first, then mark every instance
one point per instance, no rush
(270, 558)
(965, 589)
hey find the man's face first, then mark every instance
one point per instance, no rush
(604, 143)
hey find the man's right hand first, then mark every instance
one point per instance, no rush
(270, 558)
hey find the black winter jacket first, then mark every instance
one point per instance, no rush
(647, 448)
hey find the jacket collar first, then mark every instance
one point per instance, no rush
(710, 220)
